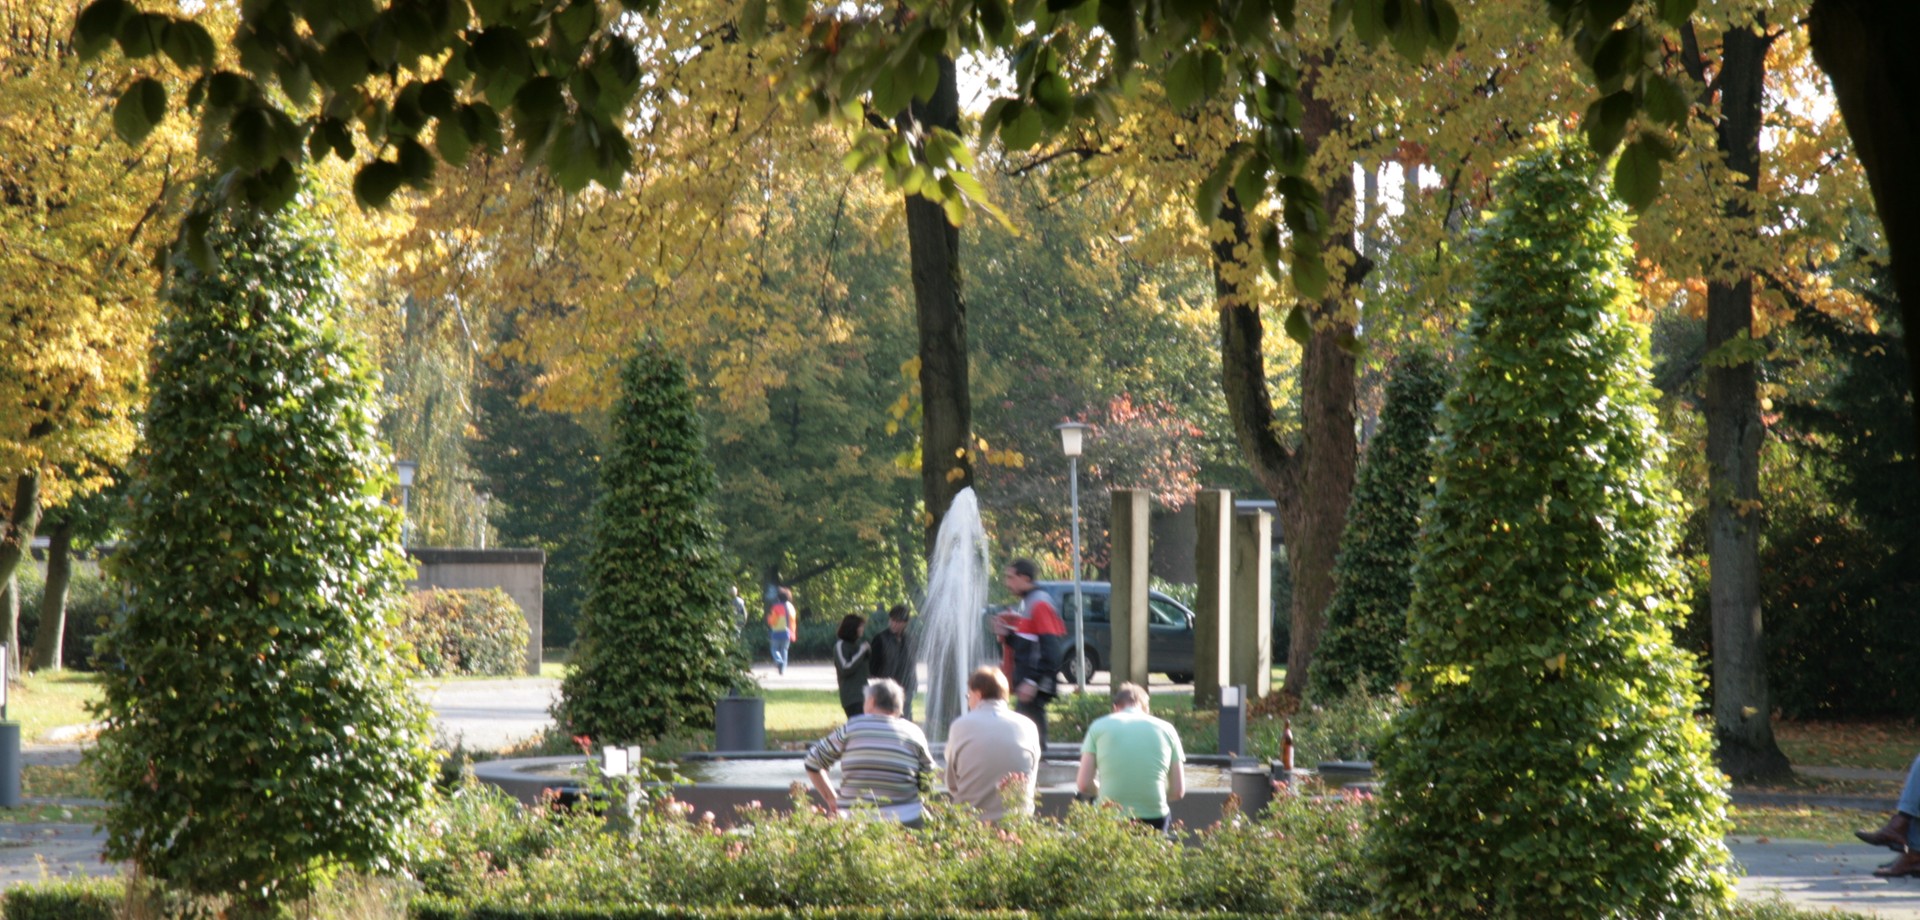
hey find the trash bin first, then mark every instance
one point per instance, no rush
(9, 762)
(740, 724)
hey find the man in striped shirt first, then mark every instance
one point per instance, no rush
(884, 759)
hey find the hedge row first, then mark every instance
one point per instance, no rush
(65, 899)
(436, 909)
(102, 898)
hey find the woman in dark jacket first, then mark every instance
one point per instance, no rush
(852, 663)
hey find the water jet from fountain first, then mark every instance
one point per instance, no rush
(953, 637)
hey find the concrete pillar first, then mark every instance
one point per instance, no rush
(1250, 661)
(1211, 605)
(1127, 608)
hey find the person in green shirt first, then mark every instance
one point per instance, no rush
(1133, 760)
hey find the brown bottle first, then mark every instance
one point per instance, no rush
(1286, 746)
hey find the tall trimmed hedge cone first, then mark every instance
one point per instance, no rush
(259, 731)
(1373, 580)
(1549, 764)
(657, 630)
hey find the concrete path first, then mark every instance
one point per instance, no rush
(497, 714)
(1824, 876)
(490, 715)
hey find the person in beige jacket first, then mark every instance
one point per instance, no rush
(993, 753)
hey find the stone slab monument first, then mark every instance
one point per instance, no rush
(1213, 562)
(1250, 656)
(1130, 526)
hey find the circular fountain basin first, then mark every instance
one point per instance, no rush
(724, 784)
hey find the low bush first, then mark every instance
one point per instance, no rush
(1348, 726)
(1301, 856)
(65, 899)
(467, 631)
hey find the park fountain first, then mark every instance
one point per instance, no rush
(953, 640)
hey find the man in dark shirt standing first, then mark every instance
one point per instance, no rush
(1034, 637)
(894, 656)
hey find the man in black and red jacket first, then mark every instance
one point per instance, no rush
(1034, 636)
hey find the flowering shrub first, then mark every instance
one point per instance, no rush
(467, 631)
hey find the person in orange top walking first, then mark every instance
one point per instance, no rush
(783, 626)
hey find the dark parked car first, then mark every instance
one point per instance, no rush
(1169, 630)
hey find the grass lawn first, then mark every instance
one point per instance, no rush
(69, 782)
(1876, 745)
(554, 670)
(46, 701)
(797, 716)
(1800, 822)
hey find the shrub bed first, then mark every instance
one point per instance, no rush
(467, 631)
(1303, 856)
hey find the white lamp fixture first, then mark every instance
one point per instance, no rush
(1071, 434)
(404, 470)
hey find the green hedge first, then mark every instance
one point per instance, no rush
(441, 909)
(479, 631)
(65, 899)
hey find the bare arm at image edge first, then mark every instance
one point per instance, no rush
(1087, 782)
(1177, 774)
(820, 785)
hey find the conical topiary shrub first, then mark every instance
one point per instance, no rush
(656, 645)
(259, 731)
(1549, 763)
(1373, 580)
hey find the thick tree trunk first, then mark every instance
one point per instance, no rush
(1865, 47)
(53, 601)
(1311, 484)
(946, 459)
(23, 518)
(1742, 713)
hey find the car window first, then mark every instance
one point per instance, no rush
(1096, 605)
(1166, 614)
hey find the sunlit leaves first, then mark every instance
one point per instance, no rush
(76, 278)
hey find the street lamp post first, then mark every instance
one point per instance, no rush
(1071, 434)
(484, 498)
(404, 469)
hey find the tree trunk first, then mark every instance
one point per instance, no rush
(10, 606)
(23, 518)
(946, 460)
(48, 639)
(1742, 712)
(1864, 47)
(1312, 483)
